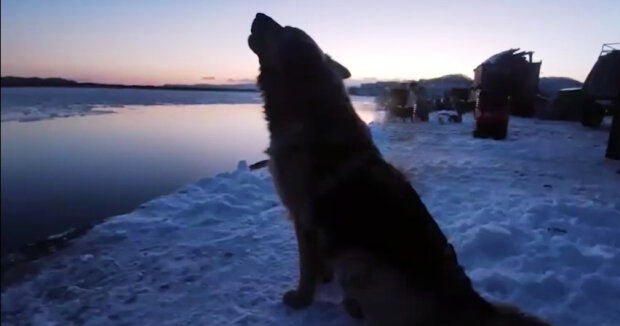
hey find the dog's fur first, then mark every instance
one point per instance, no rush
(348, 205)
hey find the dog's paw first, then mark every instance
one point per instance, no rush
(296, 299)
(353, 308)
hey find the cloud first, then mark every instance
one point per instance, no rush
(208, 78)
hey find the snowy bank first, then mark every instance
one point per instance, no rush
(535, 220)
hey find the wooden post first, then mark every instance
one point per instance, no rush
(613, 145)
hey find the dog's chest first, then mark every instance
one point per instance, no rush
(291, 180)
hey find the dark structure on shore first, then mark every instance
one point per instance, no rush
(512, 74)
(603, 86)
(506, 83)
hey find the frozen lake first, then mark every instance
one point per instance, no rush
(68, 172)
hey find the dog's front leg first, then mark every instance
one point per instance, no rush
(307, 245)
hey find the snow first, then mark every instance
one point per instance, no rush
(535, 221)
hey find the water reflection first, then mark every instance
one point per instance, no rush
(68, 172)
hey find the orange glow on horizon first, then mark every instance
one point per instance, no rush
(170, 43)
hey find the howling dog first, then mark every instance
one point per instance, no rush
(354, 214)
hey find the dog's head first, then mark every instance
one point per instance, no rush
(290, 51)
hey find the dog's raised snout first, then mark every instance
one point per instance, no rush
(260, 15)
(263, 23)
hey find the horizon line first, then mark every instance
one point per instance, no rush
(248, 81)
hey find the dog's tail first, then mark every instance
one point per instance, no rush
(259, 165)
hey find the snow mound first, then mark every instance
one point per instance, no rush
(535, 220)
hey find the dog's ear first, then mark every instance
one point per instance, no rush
(341, 70)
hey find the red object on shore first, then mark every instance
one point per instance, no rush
(491, 114)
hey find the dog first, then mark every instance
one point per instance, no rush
(354, 214)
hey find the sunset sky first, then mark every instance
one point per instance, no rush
(157, 42)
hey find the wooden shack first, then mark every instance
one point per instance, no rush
(513, 74)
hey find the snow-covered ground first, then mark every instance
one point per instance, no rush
(535, 220)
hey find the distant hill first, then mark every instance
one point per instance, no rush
(453, 78)
(548, 86)
(242, 87)
(36, 82)
(10, 81)
(435, 87)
